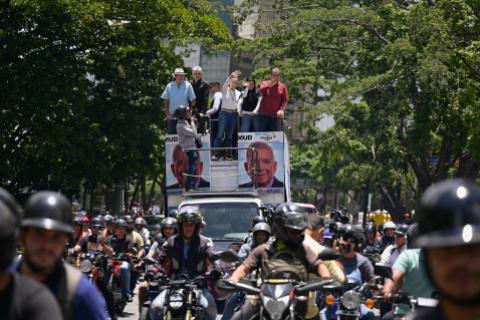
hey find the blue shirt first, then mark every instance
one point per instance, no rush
(88, 302)
(178, 95)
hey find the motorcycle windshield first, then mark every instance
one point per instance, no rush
(276, 291)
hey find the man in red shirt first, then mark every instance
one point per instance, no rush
(271, 106)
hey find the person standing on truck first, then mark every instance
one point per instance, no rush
(272, 104)
(202, 90)
(248, 106)
(215, 106)
(177, 93)
(187, 137)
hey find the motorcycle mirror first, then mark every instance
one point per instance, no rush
(329, 254)
(86, 266)
(383, 271)
(324, 285)
(227, 256)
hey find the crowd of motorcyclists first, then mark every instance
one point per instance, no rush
(293, 264)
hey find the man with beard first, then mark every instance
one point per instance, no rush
(45, 228)
(448, 232)
(21, 298)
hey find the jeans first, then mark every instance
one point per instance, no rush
(172, 126)
(227, 122)
(125, 275)
(157, 308)
(233, 302)
(192, 164)
(267, 123)
(249, 124)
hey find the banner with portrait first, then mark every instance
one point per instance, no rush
(176, 166)
(261, 163)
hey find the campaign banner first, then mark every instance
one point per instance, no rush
(176, 165)
(261, 163)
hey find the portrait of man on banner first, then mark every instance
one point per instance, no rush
(261, 166)
(178, 166)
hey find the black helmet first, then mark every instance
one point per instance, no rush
(412, 233)
(48, 210)
(128, 218)
(169, 222)
(262, 226)
(96, 222)
(173, 213)
(449, 214)
(9, 201)
(189, 214)
(257, 219)
(9, 228)
(120, 223)
(289, 215)
(401, 229)
(181, 112)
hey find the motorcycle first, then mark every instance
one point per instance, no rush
(281, 298)
(115, 283)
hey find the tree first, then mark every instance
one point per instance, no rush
(81, 84)
(403, 83)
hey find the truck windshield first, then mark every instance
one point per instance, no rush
(228, 220)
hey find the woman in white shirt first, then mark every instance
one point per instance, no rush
(228, 117)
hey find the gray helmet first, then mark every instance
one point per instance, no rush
(181, 112)
(108, 218)
(169, 222)
(49, 211)
(77, 221)
(173, 213)
(9, 228)
(120, 223)
(262, 226)
(128, 218)
(449, 215)
(401, 229)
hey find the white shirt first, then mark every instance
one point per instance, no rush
(217, 99)
(231, 97)
(390, 254)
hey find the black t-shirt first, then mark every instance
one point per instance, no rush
(24, 298)
(119, 245)
(90, 244)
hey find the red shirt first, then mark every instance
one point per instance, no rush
(273, 99)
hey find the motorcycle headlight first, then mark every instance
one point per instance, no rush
(175, 301)
(350, 300)
(275, 308)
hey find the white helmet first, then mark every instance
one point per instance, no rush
(389, 225)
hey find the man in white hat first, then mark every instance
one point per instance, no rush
(177, 93)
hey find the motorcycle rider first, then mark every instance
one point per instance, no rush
(391, 253)
(21, 298)
(260, 234)
(137, 239)
(448, 231)
(186, 254)
(46, 224)
(168, 229)
(388, 237)
(288, 250)
(110, 226)
(140, 227)
(372, 244)
(96, 243)
(121, 244)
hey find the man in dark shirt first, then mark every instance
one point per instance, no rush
(249, 106)
(202, 91)
(21, 298)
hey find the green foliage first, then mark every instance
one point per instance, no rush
(403, 79)
(81, 84)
